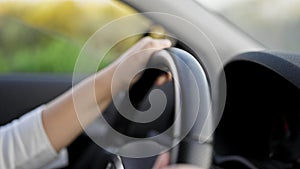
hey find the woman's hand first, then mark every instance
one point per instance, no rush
(135, 60)
(122, 72)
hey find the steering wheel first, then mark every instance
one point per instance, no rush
(192, 129)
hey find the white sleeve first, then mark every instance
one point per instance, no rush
(24, 143)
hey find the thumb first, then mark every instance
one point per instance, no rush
(162, 161)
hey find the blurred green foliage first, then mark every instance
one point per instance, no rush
(25, 49)
(58, 55)
(48, 36)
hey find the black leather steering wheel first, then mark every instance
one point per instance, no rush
(192, 134)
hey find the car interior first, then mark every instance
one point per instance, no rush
(259, 127)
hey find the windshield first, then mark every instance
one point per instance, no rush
(274, 23)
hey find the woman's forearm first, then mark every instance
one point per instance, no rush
(60, 117)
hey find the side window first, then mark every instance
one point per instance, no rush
(44, 36)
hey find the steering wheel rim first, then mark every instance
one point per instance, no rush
(195, 148)
(192, 131)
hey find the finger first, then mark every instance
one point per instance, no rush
(141, 44)
(163, 79)
(159, 44)
(162, 161)
(163, 42)
(149, 43)
(169, 76)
